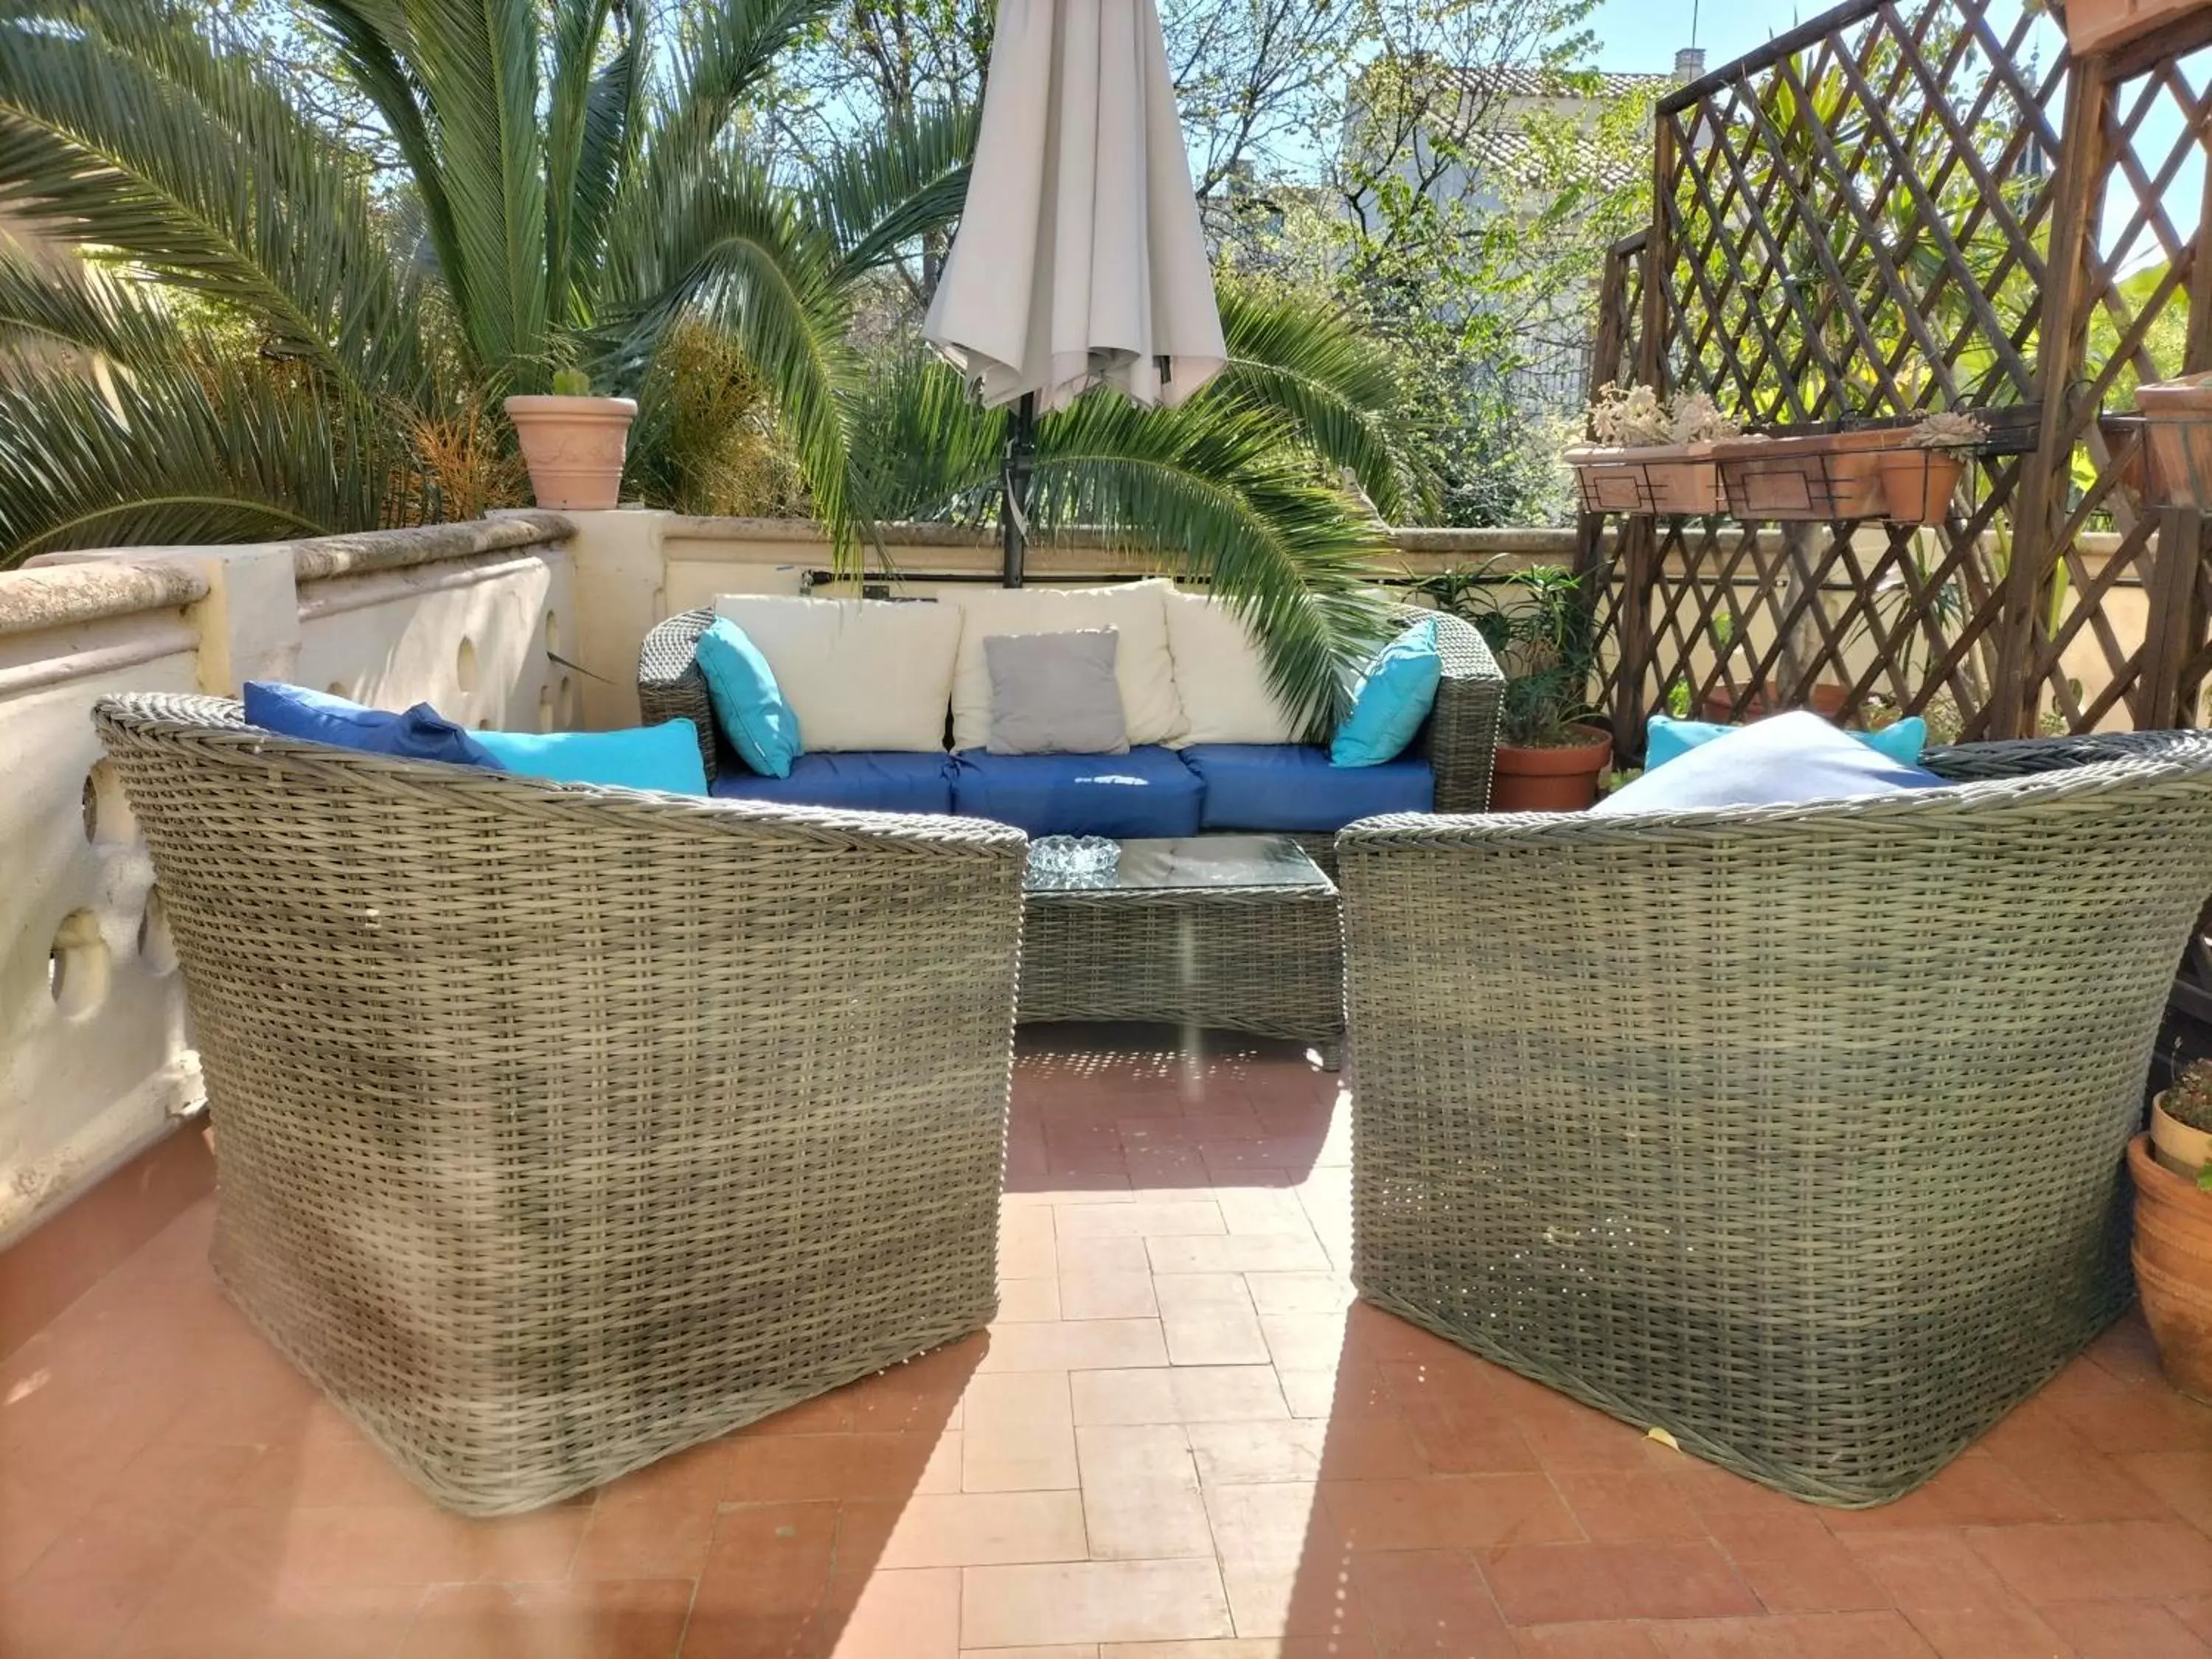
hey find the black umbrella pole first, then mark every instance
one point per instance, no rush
(1014, 486)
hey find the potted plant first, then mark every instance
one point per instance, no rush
(2178, 425)
(1918, 476)
(2173, 1171)
(1649, 456)
(2098, 26)
(1548, 759)
(572, 443)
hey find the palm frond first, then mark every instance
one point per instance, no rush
(925, 449)
(730, 249)
(184, 454)
(614, 121)
(121, 129)
(577, 26)
(1337, 390)
(61, 312)
(874, 196)
(723, 59)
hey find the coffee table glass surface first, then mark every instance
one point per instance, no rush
(1196, 862)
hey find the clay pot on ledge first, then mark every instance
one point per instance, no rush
(1552, 777)
(2173, 1259)
(575, 448)
(1917, 483)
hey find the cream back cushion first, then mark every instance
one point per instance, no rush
(1221, 676)
(1143, 668)
(858, 673)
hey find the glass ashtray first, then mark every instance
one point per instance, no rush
(1074, 860)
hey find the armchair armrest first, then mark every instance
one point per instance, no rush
(1460, 738)
(669, 683)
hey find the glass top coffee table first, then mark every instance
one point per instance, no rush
(1240, 932)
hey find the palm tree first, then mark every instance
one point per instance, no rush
(266, 336)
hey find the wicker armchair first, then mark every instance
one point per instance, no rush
(1459, 739)
(1796, 1132)
(559, 1127)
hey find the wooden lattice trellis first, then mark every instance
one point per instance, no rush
(1893, 208)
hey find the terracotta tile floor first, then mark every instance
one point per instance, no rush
(1182, 1441)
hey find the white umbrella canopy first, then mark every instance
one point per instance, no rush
(1079, 261)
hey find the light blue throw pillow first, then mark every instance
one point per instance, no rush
(1790, 760)
(749, 705)
(1671, 739)
(664, 757)
(418, 733)
(1392, 699)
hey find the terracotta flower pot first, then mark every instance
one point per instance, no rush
(2177, 421)
(1559, 778)
(2095, 26)
(1718, 706)
(1917, 483)
(573, 447)
(2181, 1149)
(2173, 1268)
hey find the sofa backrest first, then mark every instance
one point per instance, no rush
(1151, 707)
(861, 674)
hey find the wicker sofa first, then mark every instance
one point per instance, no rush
(1457, 742)
(559, 1128)
(1796, 1132)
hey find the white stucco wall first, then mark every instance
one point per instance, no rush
(95, 1045)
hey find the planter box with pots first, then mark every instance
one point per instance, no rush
(2095, 26)
(1658, 479)
(1813, 476)
(2178, 425)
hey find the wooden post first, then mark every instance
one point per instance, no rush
(2068, 297)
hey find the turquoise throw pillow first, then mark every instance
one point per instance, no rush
(1670, 739)
(749, 705)
(1392, 699)
(664, 757)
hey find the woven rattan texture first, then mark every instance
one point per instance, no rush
(1263, 959)
(1460, 738)
(559, 1127)
(1796, 1132)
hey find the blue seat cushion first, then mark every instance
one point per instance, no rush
(1147, 791)
(857, 780)
(1293, 788)
(418, 733)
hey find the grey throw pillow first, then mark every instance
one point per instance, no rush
(1054, 694)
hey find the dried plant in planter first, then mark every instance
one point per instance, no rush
(1695, 418)
(1630, 418)
(1643, 460)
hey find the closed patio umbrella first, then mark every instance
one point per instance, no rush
(1078, 261)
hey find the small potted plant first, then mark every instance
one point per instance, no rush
(2173, 1171)
(573, 443)
(1649, 456)
(1548, 759)
(1918, 476)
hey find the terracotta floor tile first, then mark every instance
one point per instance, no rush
(1976, 1491)
(1155, 1219)
(1207, 1319)
(628, 1537)
(2098, 1560)
(1817, 1575)
(1936, 1571)
(1792, 1635)
(1019, 1433)
(1076, 1345)
(1263, 1210)
(2182, 1481)
(354, 1622)
(1284, 1562)
(1601, 1641)
(1342, 1644)
(1432, 1603)
(1093, 1601)
(1141, 1493)
(1187, 1395)
(1110, 1295)
(1303, 1342)
(2124, 1630)
(2006, 1632)
(2195, 1612)
(1030, 1301)
(1237, 1253)
(1456, 1511)
(1111, 1254)
(975, 1530)
(772, 1468)
(1617, 1508)
(1558, 1584)
(1353, 1388)
(611, 1619)
(1026, 1243)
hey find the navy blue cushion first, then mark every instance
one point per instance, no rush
(1147, 791)
(420, 733)
(1291, 788)
(858, 780)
